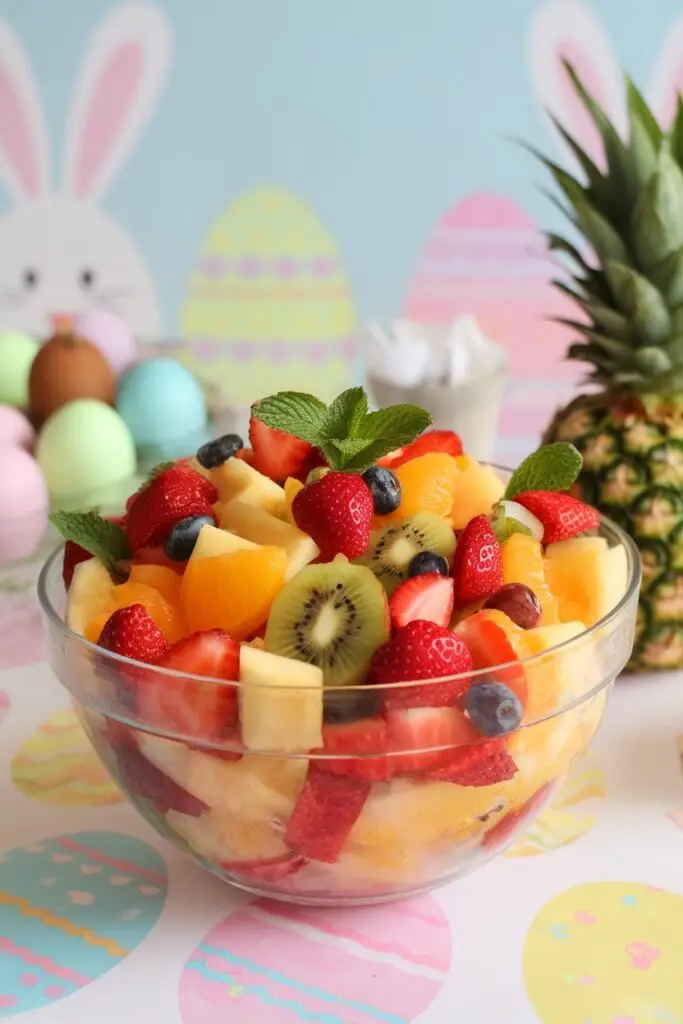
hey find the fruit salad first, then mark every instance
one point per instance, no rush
(343, 661)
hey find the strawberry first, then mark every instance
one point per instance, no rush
(132, 633)
(421, 739)
(490, 647)
(429, 597)
(175, 494)
(146, 780)
(336, 511)
(476, 764)
(507, 826)
(74, 554)
(276, 453)
(326, 811)
(422, 650)
(202, 710)
(433, 441)
(365, 740)
(562, 516)
(183, 474)
(477, 564)
(272, 870)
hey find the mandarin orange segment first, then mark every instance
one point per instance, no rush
(427, 482)
(167, 582)
(95, 627)
(233, 592)
(169, 618)
(523, 563)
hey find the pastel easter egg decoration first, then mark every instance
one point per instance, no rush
(275, 962)
(268, 306)
(23, 503)
(15, 428)
(85, 449)
(606, 951)
(17, 352)
(57, 765)
(73, 906)
(68, 367)
(164, 408)
(5, 705)
(111, 334)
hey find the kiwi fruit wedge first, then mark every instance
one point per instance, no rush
(391, 549)
(331, 615)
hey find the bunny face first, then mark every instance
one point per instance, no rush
(59, 251)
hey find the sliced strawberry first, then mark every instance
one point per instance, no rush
(146, 780)
(203, 710)
(132, 633)
(366, 738)
(491, 648)
(175, 494)
(157, 556)
(336, 511)
(422, 650)
(562, 515)
(433, 441)
(478, 764)
(276, 453)
(246, 455)
(74, 554)
(421, 739)
(507, 826)
(267, 870)
(326, 811)
(429, 597)
(478, 563)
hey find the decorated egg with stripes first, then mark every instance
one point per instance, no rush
(71, 908)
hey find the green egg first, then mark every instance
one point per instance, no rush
(17, 352)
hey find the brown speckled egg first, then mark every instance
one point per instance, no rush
(67, 368)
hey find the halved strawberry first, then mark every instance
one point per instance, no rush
(366, 738)
(433, 441)
(477, 563)
(175, 494)
(491, 648)
(562, 515)
(429, 597)
(146, 780)
(326, 811)
(132, 633)
(477, 764)
(267, 870)
(202, 710)
(421, 739)
(276, 453)
(421, 651)
(507, 826)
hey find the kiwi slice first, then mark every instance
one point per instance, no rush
(332, 615)
(391, 549)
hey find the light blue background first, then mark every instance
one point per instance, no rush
(379, 113)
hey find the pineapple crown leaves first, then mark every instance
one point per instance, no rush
(631, 215)
(350, 437)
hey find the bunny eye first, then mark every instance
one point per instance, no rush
(30, 278)
(87, 277)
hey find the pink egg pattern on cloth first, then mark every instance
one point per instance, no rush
(275, 963)
(71, 908)
(607, 953)
(4, 705)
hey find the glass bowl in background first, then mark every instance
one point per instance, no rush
(236, 811)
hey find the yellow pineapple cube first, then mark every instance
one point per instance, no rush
(475, 491)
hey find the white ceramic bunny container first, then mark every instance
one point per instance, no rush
(60, 252)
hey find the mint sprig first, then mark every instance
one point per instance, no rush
(553, 467)
(350, 437)
(102, 538)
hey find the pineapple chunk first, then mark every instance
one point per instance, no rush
(91, 594)
(219, 837)
(522, 558)
(263, 528)
(585, 577)
(236, 477)
(281, 702)
(292, 487)
(212, 541)
(475, 491)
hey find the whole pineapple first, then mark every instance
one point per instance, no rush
(629, 299)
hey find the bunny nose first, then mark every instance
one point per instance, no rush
(61, 321)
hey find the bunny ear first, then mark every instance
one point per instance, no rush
(122, 75)
(667, 80)
(568, 30)
(23, 139)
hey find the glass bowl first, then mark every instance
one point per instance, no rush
(328, 830)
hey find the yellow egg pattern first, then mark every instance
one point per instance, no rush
(607, 953)
(567, 817)
(57, 765)
(268, 306)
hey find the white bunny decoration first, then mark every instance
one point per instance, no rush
(60, 252)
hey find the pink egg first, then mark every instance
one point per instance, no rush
(24, 503)
(111, 334)
(271, 963)
(15, 428)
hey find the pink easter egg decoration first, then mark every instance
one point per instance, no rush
(15, 428)
(111, 335)
(24, 504)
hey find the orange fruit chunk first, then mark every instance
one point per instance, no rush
(233, 592)
(523, 563)
(427, 482)
(95, 627)
(165, 581)
(169, 618)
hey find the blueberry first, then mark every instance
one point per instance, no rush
(183, 537)
(341, 706)
(428, 561)
(215, 453)
(385, 489)
(493, 708)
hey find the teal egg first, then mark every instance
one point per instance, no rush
(164, 408)
(76, 905)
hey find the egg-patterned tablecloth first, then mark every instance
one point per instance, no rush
(581, 922)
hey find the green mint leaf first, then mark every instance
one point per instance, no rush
(396, 426)
(349, 447)
(296, 413)
(373, 451)
(554, 467)
(102, 538)
(345, 414)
